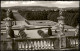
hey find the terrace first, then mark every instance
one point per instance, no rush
(61, 40)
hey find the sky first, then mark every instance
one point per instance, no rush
(60, 4)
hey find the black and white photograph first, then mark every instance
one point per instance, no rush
(39, 25)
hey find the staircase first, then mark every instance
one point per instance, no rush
(18, 17)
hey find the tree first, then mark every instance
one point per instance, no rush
(3, 14)
(11, 15)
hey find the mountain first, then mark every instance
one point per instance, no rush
(71, 8)
(38, 8)
(31, 8)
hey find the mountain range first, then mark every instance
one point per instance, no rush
(36, 8)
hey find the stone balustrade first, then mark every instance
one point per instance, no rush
(41, 43)
(35, 44)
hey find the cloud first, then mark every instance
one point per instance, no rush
(29, 2)
(9, 3)
(60, 4)
(63, 4)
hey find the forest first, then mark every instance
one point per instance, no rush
(71, 16)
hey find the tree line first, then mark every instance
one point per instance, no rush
(71, 16)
